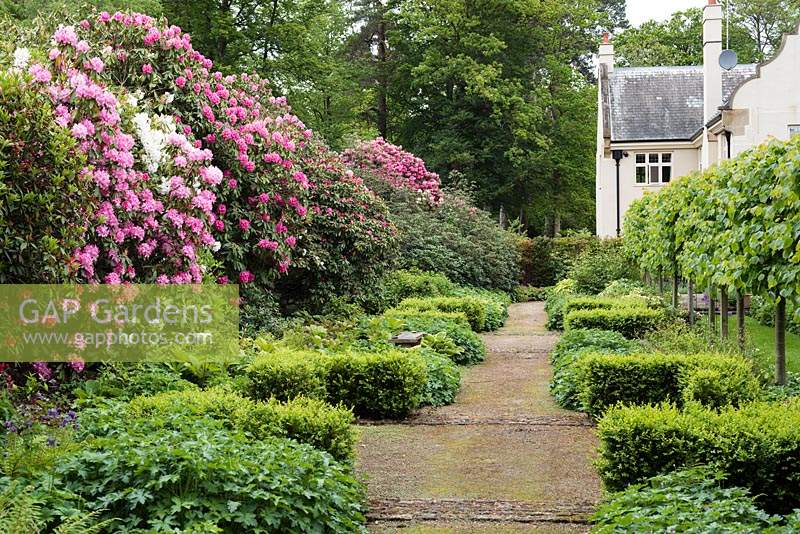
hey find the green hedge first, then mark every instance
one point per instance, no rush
(758, 445)
(455, 325)
(474, 308)
(569, 350)
(403, 284)
(306, 420)
(288, 374)
(605, 303)
(607, 379)
(630, 322)
(546, 260)
(388, 385)
(384, 384)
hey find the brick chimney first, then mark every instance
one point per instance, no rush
(712, 48)
(605, 56)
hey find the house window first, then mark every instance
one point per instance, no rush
(653, 168)
(794, 129)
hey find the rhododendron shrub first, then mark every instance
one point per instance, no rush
(184, 159)
(44, 197)
(350, 243)
(388, 167)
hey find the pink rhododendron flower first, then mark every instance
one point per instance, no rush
(147, 69)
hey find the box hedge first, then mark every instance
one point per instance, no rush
(383, 384)
(605, 303)
(571, 347)
(631, 322)
(474, 308)
(305, 420)
(288, 374)
(758, 445)
(607, 379)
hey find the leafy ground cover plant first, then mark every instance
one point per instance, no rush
(454, 325)
(202, 477)
(556, 301)
(444, 378)
(692, 501)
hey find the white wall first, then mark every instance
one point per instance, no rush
(684, 161)
(767, 105)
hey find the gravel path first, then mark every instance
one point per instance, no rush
(502, 458)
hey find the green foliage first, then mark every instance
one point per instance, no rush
(400, 285)
(387, 385)
(546, 260)
(474, 308)
(608, 379)
(458, 240)
(630, 322)
(124, 381)
(756, 445)
(444, 378)
(21, 513)
(567, 353)
(603, 303)
(557, 301)
(454, 325)
(531, 294)
(200, 477)
(601, 265)
(694, 501)
(288, 374)
(43, 194)
(305, 420)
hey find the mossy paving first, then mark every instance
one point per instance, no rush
(481, 449)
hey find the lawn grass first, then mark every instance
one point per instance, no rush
(762, 338)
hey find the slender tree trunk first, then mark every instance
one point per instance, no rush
(740, 330)
(557, 224)
(691, 302)
(661, 283)
(723, 310)
(780, 342)
(383, 81)
(675, 282)
(712, 311)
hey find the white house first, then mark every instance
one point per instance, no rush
(656, 124)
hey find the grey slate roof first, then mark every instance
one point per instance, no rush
(662, 103)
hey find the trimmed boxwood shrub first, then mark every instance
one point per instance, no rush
(288, 374)
(601, 303)
(630, 322)
(201, 477)
(306, 420)
(571, 347)
(474, 308)
(403, 284)
(382, 384)
(608, 379)
(455, 325)
(758, 445)
(385, 385)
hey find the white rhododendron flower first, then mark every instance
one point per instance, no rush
(22, 57)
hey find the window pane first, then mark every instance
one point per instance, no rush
(654, 174)
(639, 158)
(794, 129)
(666, 158)
(666, 174)
(653, 158)
(641, 175)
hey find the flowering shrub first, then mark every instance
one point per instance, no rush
(183, 159)
(386, 164)
(350, 242)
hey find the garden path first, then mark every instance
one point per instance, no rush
(502, 458)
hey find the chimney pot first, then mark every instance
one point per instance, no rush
(607, 36)
(712, 2)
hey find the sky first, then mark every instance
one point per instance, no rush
(642, 10)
